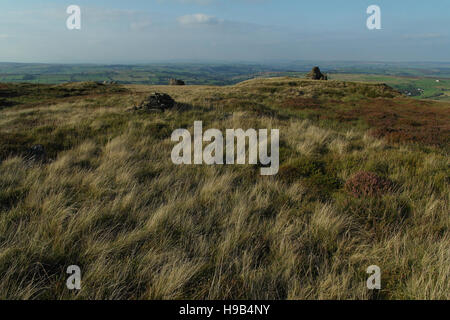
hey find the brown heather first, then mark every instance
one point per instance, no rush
(368, 184)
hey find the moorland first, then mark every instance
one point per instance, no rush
(363, 180)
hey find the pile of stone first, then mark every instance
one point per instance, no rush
(155, 102)
(176, 82)
(315, 74)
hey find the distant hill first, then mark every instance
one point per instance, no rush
(416, 80)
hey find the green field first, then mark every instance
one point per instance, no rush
(416, 87)
(194, 74)
(418, 81)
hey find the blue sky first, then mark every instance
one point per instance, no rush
(137, 31)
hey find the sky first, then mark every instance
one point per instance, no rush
(145, 31)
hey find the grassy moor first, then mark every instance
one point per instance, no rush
(86, 179)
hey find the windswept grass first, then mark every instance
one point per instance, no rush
(110, 200)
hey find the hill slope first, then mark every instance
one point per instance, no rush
(110, 200)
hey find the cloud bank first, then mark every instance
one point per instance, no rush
(199, 18)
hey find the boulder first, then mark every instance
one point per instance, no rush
(176, 82)
(315, 74)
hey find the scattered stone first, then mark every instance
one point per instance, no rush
(159, 101)
(37, 153)
(176, 82)
(155, 103)
(315, 74)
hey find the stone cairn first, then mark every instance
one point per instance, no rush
(315, 74)
(176, 82)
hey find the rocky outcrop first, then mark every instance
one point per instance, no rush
(315, 74)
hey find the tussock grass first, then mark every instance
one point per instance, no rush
(111, 201)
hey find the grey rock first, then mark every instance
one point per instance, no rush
(37, 153)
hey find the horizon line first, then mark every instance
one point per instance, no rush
(261, 62)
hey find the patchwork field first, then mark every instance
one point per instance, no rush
(418, 80)
(363, 180)
(434, 88)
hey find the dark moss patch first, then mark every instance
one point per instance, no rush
(9, 196)
(300, 168)
(158, 130)
(146, 174)
(321, 186)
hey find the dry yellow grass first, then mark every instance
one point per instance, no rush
(140, 227)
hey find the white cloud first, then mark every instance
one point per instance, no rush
(198, 18)
(423, 36)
